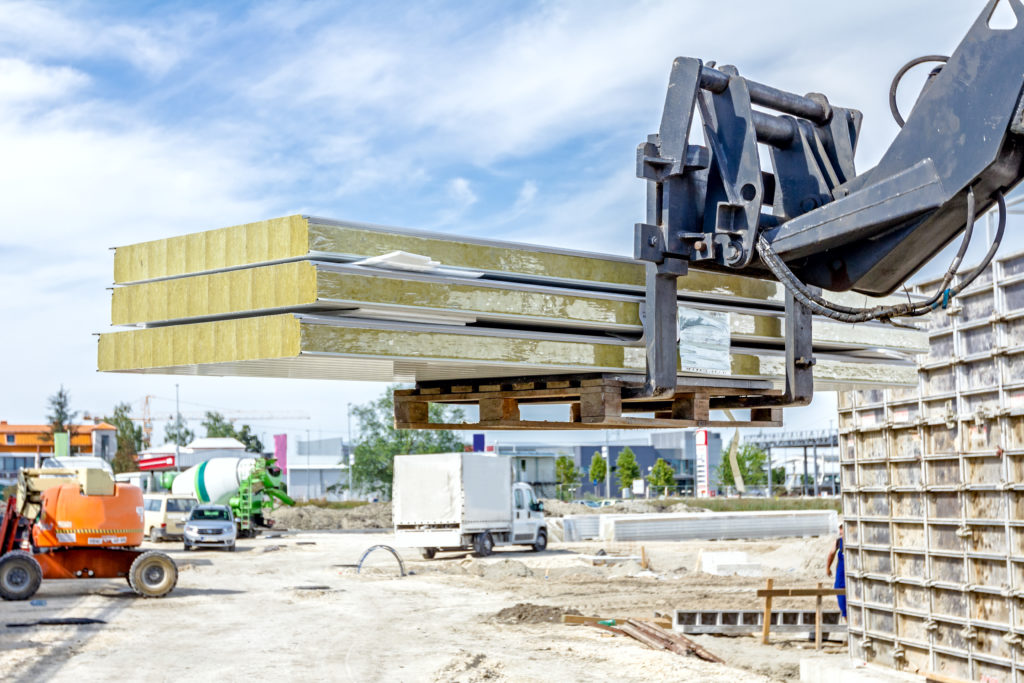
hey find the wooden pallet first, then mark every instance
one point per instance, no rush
(595, 401)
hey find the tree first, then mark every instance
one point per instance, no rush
(379, 442)
(218, 427)
(662, 475)
(251, 441)
(752, 464)
(627, 469)
(598, 468)
(60, 416)
(130, 438)
(177, 431)
(567, 475)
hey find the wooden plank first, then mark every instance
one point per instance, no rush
(799, 592)
(659, 638)
(817, 620)
(610, 629)
(766, 629)
(932, 677)
(698, 650)
(600, 404)
(610, 423)
(691, 407)
(636, 633)
(499, 409)
(411, 412)
(576, 619)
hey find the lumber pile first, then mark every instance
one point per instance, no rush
(313, 298)
(654, 634)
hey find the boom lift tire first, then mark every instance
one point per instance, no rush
(483, 544)
(542, 542)
(153, 574)
(20, 575)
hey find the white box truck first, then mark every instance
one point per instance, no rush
(453, 501)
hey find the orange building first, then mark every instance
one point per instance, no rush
(27, 445)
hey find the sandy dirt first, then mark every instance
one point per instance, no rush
(292, 607)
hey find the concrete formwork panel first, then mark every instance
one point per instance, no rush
(933, 495)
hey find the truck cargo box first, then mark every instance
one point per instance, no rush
(442, 489)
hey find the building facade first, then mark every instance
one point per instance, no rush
(28, 445)
(320, 469)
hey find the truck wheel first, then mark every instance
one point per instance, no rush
(153, 575)
(483, 544)
(154, 536)
(428, 553)
(542, 541)
(20, 575)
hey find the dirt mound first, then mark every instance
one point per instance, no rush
(526, 613)
(505, 569)
(310, 517)
(467, 667)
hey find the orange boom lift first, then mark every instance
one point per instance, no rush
(77, 524)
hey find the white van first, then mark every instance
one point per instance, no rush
(165, 515)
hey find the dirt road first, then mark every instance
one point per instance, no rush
(293, 608)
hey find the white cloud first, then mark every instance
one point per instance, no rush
(52, 31)
(25, 83)
(527, 193)
(461, 193)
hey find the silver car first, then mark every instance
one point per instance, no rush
(210, 526)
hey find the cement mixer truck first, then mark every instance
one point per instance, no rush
(249, 485)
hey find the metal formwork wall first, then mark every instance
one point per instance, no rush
(933, 495)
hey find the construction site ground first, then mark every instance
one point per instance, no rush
(291, 606)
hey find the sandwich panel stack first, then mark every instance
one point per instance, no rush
(306, 297)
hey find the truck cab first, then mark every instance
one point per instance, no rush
(527, 515)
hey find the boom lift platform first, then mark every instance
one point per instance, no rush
(812, 223)
(77, 524)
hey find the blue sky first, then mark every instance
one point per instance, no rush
(127, 121)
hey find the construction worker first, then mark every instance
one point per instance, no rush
(837, 549)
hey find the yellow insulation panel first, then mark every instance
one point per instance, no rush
(298, 236)
(280, 345)
(301, 284)
(293, 237)
(245, 339)
(231, 292)
(270, 240)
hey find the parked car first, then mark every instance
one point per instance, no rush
(210, 526)
(165, 515)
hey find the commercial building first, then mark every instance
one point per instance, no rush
(173, 457)
(680, 448)
(24, 445)
(318, 465)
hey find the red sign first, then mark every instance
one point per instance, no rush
(160, 462)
